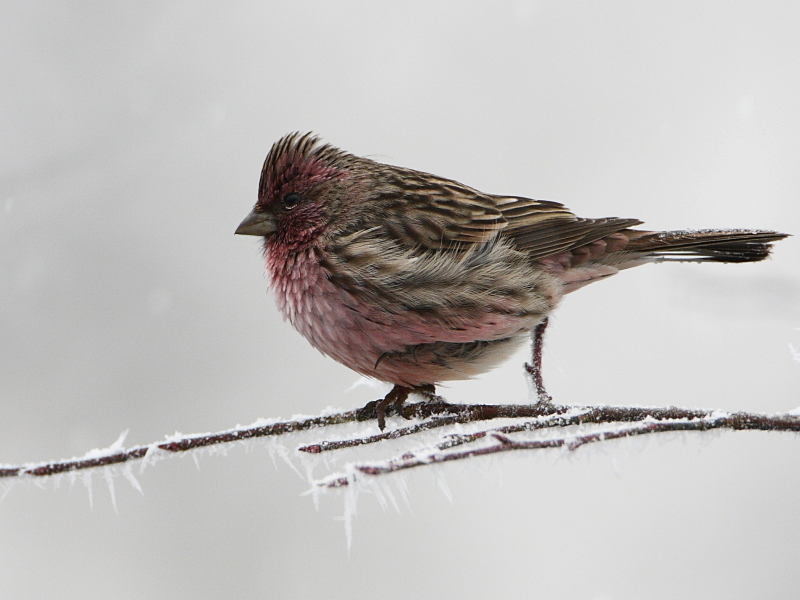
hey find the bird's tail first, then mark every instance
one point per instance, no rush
(705, 245)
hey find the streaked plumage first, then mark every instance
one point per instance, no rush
(415, 279)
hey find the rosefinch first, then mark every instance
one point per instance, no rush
(414, 279)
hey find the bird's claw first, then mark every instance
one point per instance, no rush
(393, 402)
(368, 411)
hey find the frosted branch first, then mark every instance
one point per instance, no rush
(175, 444)
(437, 415)
(650, 421)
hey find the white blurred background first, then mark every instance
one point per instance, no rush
(131, 141)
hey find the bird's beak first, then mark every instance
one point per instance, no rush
(257, 223)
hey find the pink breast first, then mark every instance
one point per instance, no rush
(355, 334)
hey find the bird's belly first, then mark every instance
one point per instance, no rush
(402, 347)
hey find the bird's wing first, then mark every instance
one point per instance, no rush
(425, 211)
(436, 213)
(543, 228)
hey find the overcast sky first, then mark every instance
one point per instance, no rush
(131, 141)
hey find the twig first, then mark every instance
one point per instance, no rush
(180, 444)
(712, 420)
(548, 415)
(460, 413)
(440, 414)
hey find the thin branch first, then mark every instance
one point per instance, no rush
(175, 445)
(436, 415)
(548, 416)
(713, 420)
(460, 414)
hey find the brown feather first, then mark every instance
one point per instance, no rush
(717, 245)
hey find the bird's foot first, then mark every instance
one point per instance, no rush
(393, 402)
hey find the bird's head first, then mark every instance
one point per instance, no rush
(303, 186)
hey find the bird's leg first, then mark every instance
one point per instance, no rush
(394, 400)
(535, 369)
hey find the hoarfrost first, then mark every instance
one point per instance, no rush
(108, 475)
(87, 482)
(350, 457)
(127, 472)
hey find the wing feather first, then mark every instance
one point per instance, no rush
(437, 213)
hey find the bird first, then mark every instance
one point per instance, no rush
(415, 279)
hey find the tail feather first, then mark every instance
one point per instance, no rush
(707, 245)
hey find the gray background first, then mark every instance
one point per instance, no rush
(131, 140)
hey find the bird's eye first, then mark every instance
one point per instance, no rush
(291, 200)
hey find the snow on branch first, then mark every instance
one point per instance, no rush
(649, 421)
(572, 423)
(115, 455)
